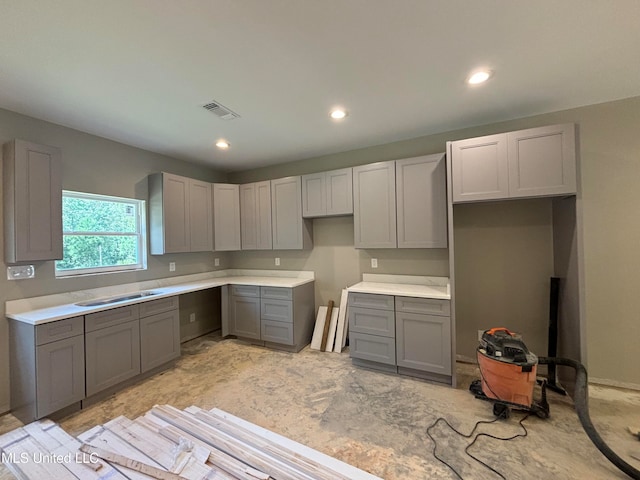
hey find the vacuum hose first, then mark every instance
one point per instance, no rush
(582, 408)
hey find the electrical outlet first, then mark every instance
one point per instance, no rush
(172, 266)
(277, 261)
(374, 263)
(192, 318)
(20, 272)
(216, 262)
(480, 332)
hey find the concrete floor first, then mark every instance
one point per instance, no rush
(372, 420)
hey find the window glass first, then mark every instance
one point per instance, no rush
(101, 234)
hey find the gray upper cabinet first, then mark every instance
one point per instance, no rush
(421, 202)
(180, 215)
(327, 193)
(200, 218)
(290, 230)
(226, 217)
(32, 202)
(255, 216)
(374, 205)
(542, 161)
(526, 163)
(480, 169)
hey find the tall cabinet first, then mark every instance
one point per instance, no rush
(226, 216)
(32, 197)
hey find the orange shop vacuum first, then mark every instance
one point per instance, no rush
(508, 374)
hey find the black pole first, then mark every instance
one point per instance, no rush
(554, 299)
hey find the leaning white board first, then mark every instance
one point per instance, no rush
(316, 340)
(341, 331)
(333, 323)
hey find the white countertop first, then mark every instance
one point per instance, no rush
(404, 286)
(49, 308)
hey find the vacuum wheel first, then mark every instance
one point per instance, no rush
(501, 410)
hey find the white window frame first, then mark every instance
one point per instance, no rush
(141, 233)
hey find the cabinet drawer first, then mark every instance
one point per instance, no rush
(52, 331)
(372, 347)
(276, 292)
(277, 310)
(108, 318)
(277, 332)
(429, 306)
(374, 322)
(245, 290)
(158, 306)
(368, 300)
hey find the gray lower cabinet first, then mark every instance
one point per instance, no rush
(159, 332)
(407, 335)
(50, 372)
(277, 317)
(112, 355)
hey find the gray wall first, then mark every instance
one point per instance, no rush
(610, 175)
(95, 165)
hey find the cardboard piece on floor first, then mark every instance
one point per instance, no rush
(316, 340)
(341, 331)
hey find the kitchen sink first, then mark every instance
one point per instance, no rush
(120, 298)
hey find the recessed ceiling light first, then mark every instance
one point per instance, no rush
(479, 76)
(338, 113)
(222, 144)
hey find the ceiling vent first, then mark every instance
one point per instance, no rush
(221, 111)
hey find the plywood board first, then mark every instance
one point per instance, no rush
(341, 329)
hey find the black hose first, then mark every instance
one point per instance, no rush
(581, 400)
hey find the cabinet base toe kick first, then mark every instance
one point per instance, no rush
(408, 372)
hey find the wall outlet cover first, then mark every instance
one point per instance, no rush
(374, 263)
(172, 266)
(277, 261)
(21, 272)
(216, 262)
(192, 317)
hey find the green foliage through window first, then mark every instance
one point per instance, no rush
(101, 234)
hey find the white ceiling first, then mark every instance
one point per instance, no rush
(139, 71)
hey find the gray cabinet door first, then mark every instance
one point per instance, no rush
(314, 203)
(112, 356)
(255, 216)
(374, 205)
(542, 161)
(424, 342)
(421, 196)
(60, 374)
(244, 317)
(200, 216)
(480, 169)
(32, 202)
(159, 339)
(372, 348)
(339, 192)
(226, 217)
(290, 231)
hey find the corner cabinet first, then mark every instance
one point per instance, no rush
(180, 214)
(226, 217)
(525, 163)
(32, 196)
(255, 216)
(290, 230)
(327, 194)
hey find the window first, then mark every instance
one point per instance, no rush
(101, 234)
